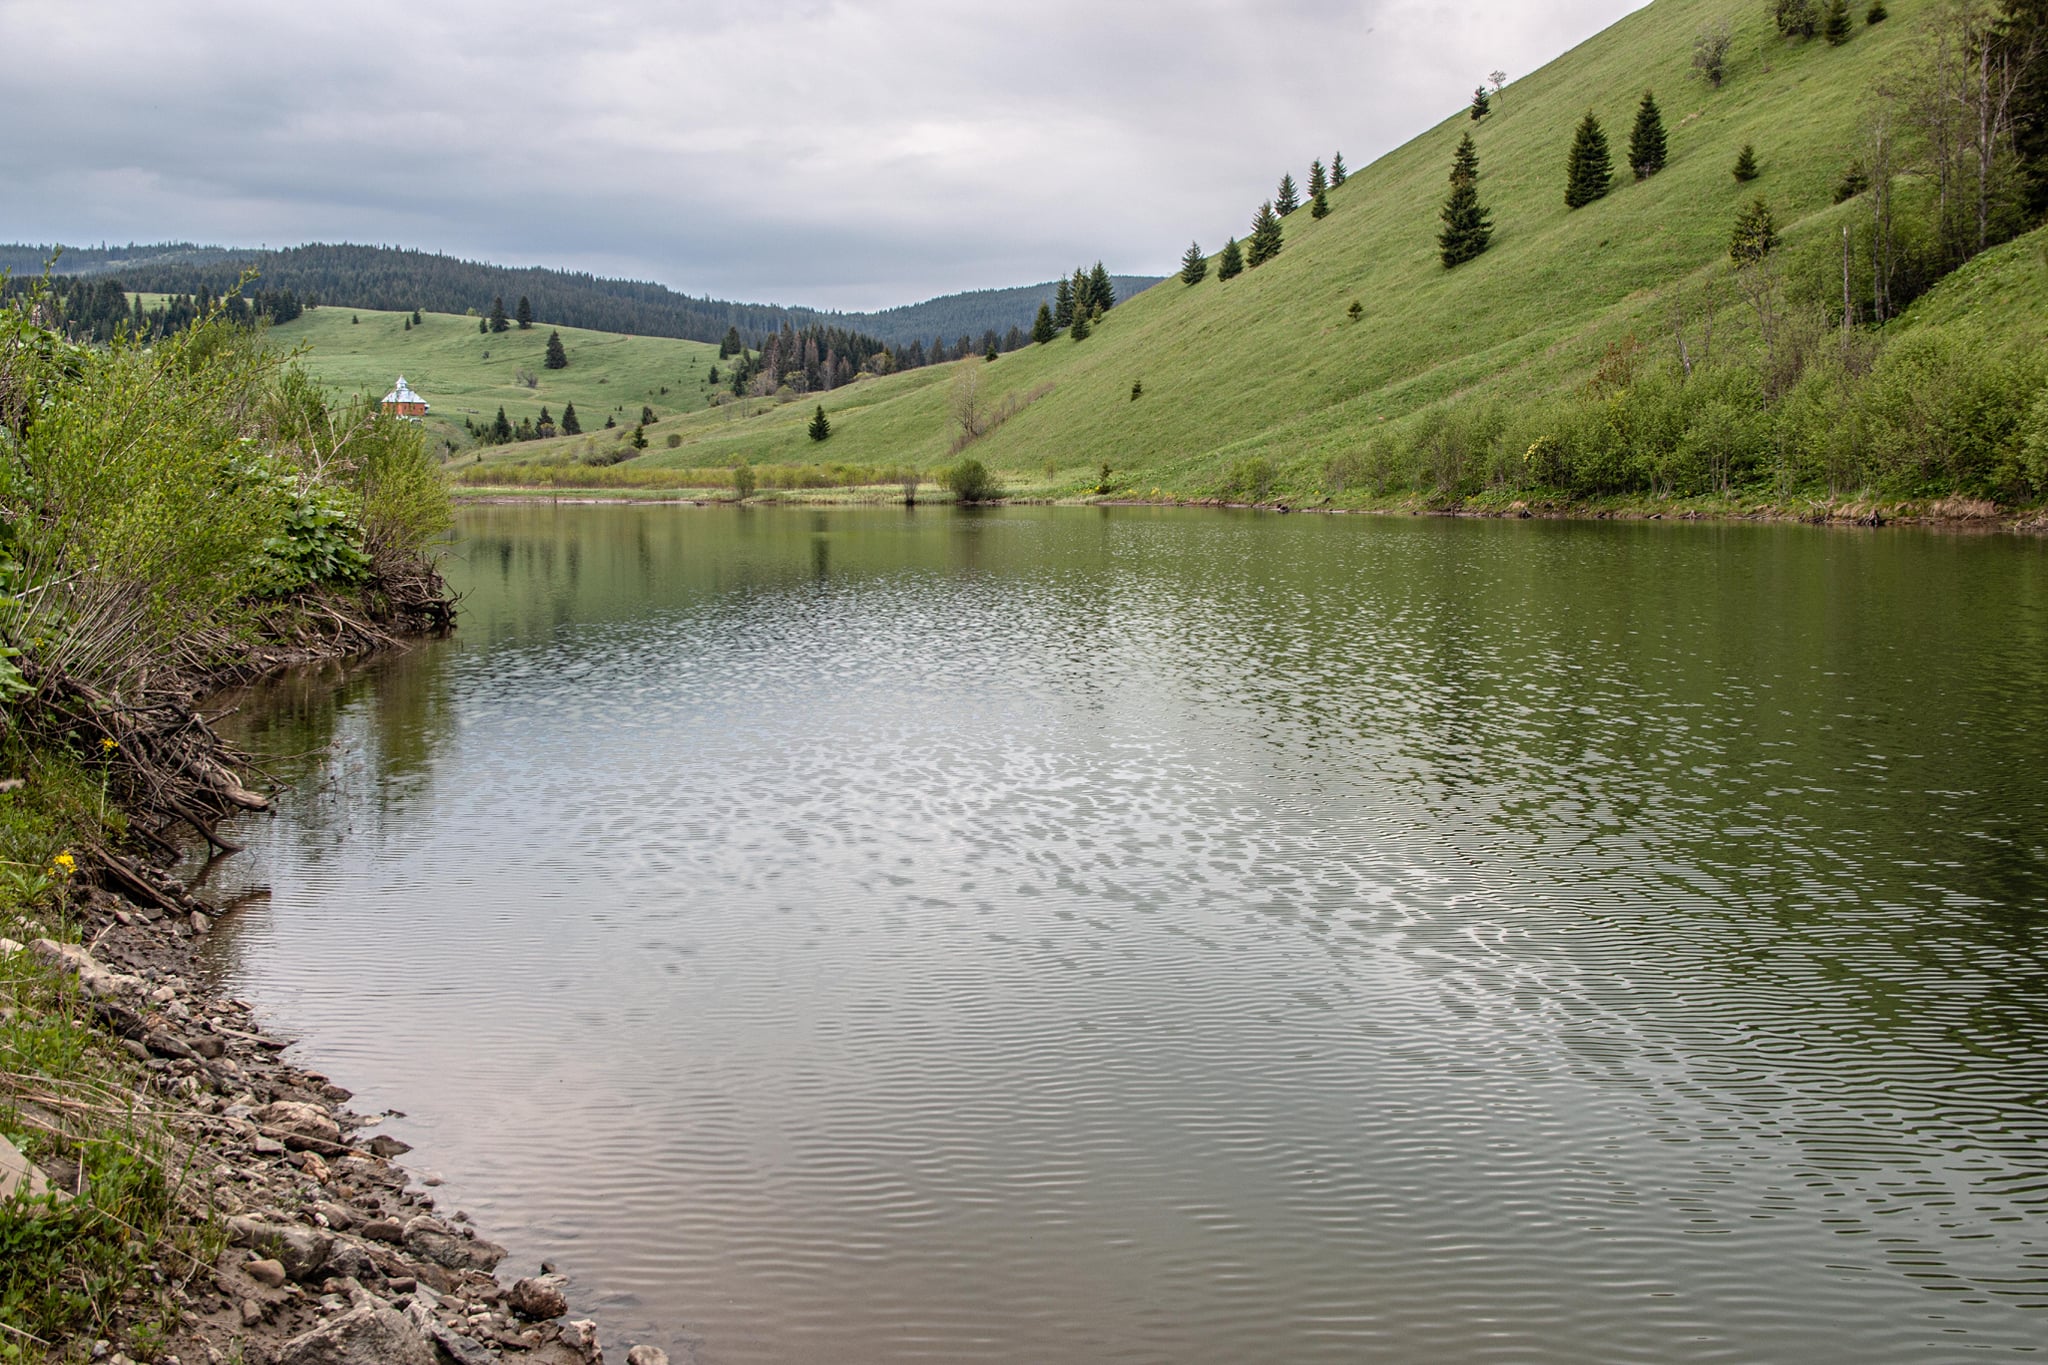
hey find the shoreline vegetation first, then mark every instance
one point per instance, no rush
(178, 516)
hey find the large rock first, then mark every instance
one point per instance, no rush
(647, 1355)
(539, 1299)
(302, 1251)
(437, 1242)
(371, 1333)
(17, 1172)
(75, 960)
(302, 1127)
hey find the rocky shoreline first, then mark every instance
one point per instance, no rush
(335, 1253)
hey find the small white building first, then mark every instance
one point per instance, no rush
(403, 402)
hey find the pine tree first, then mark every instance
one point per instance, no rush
(1287, 200)
(1481, 106)
(498, 323)
(570, 426)
(1646, 151)
(1745, 164)
(647, 417)
(1045, 329)
(639, 439)
(1079, 331)
(712, 378)
(1194, 266)
(1355, 311)
(416, 317)
(545, 426)
(1102, 291)
(1267, 237)
(525, 314)
(732, 345)
(1063, 304)
(1084, 295)
(558, 358)
(821, 427)
(1876, 14)
(408, 324)
(1231, 263)
(1318, 178)
(1319, 206)
(1755, 234)
(1836, 29)
(1589, 170)
(501, 430)
(1468, 227)
(483, 328)
(610, 421)
(1337, 172)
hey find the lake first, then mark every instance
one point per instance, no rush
(1138, 935)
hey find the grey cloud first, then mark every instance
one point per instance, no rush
(839, 154)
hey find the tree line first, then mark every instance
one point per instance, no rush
(94, 309)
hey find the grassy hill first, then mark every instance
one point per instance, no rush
(1269, 369)
(465, 374)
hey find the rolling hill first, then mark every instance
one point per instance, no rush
(1271, 367)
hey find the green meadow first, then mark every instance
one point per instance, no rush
(1269, 369)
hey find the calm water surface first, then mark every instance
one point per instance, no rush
(1062, 935)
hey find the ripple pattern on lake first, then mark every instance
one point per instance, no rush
(1142, 937)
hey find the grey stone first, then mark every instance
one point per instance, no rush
(387, 1146)
(304, 1127)
(370, 1333)
(647, 1355)
(433, 1239)
(71, 958)
(384, 1230)
(302, 1251)
(265, 1272)
(539, 1299)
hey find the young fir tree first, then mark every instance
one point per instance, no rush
(991, 351)
(1231, 263)
(1337, 172)
(1836, 26)
(1063, 304)
(408, 324)
(1468, 227)
(1103, 292)
(1267, 237)
(1045, 329)
(1646, 152)
(1755, 234)
(524, 314)
(731, 346)
(1288, 199)
(639, 439)
(482, 327)
(647, 417)
(416, 319)
(1086, 305)
(1079, 331)
(1318, 178)
(1589, 170)
(544, 427)
(498, 322)
(610, 421)
(712, 378)
(821, 427)
(1194, 266)
(501, 430)
(1319, 205)
(570, 426)
(557, 358)
(1876, 14)
(1481, 106)
(1745, 165)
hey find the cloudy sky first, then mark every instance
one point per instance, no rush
(849, 155)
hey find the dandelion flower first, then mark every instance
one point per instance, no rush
(109, 745)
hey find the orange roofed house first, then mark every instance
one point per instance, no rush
(403, 402)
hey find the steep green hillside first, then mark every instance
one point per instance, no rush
(1270, 366)
(467, 374)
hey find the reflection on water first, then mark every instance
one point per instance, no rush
(1061, 935)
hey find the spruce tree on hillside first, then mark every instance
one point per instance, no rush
(1876, 14)
(1079, 331)
(1646, 152)
(501, 430)
(570, 426)
(1836, 27)
(820, 427)
(1338, 174)
(1745, 165)
(1084, 294)
(1319, 205)
(1468, 227)
(647, 417)
(1287, 200)
(1063, 304)
(1318, 179)
(483, 327)
(524, 314)
(1045, 329)
(1755, 234)
(732, 345)
(1231, 263)
(1194, 266)
(498, 323)
(1589, 170)
(1481, 106)
(1267, 237)
(558, 358)
(1103, 292)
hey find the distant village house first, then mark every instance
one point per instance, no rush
(403, 402)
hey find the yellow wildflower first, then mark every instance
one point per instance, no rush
(64, 864)
(109, 745)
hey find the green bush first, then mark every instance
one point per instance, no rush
(971, 481)
(1252, 478)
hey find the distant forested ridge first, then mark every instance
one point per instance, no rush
(397, 280)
